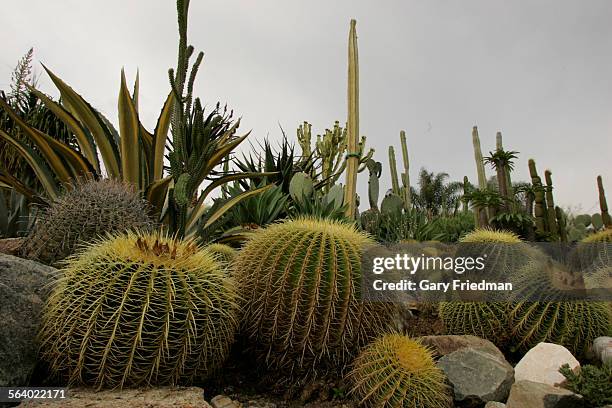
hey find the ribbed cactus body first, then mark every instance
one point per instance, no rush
(224, 253)
(136, 310)
(397, 372)
(301, 281)
(90, 209)
(488, 320)
(573, 324)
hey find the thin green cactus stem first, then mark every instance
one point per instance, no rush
(550, 207)
(393, 168)
(603, 204)
(540, 200)
(406, 174)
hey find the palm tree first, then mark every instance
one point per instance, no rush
(435, 196)
(503, 163)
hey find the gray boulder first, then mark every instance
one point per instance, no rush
(447, 344)
(24, 287)
(602, 349)
(495, 404)
(477, 376)
(529, 394)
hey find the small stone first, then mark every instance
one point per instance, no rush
(529, 394)
(495, 404)
(223, 401)
(447, 344)
(477, 376)
(541, 364)
(602, 349)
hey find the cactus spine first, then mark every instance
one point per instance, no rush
(603, 204)
(406, 174)
(353, 124)
(540, 200)
(553, 228)
(393, 168)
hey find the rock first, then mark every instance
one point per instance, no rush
(163, 397)
(24, 287)
(529, 394)
(11, 246)
(222, 401)
(495, 404)
(447, 344)
(477, 376)
(602, 349)
(541, 364)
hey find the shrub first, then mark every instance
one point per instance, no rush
(592, 382)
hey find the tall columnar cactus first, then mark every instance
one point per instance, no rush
(375, 170)
(480, 212)
(480, 168)
(406, 174)
(561, 223)
(553, 227)
(301, 284)
(89, 209)
(304, 137)
(393, 171)
(350, 197)
(136, 310)
(603, 204)
(540, 200)
(499, 142)
(466, 191)
(398, 372)
(508, 170)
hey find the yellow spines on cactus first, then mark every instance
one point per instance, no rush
(301, 282)
(601, 236)
(224, 253)
(485, 235)
(397, 372)
(139, 309)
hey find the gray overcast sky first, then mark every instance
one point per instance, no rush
(538, 70)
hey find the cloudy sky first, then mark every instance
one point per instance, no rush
(538, 70)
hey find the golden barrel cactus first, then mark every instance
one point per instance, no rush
(136, 310)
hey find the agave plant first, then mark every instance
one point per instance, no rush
(133, 155)
(200, 143)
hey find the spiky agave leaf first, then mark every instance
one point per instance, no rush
(139, 309)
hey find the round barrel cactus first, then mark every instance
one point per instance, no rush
(397, 372)
(88, 210)
(301, 284)
(487, 316)
(137, 310)
(224, 253)
(561, 314)
(573, 324)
